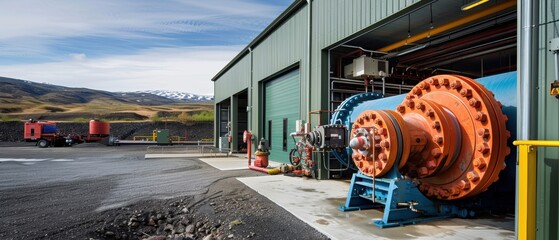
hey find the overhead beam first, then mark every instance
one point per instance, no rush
(450, 25)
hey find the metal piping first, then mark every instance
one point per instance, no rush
(362, 49)
(476, 54)
(358, 82)
(250, 91)
(383, 86)
(309, 52)
(446, 55)
(449, 26)
(527, 72)
(459, 43)
(444, 70)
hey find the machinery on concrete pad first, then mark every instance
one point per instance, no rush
(322, 139)
(262, 154)
(439, 154)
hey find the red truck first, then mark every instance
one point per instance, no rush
(46, 133)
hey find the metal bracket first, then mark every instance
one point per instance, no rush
(554, 45)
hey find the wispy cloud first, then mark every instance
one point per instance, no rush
(59, 18)
(77, 56)
(186, 69)
(99, 43)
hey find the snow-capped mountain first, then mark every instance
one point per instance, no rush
(176, 95)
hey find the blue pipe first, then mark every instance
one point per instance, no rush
(502, 85)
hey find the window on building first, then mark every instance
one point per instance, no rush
(284, 139)
(270, 134)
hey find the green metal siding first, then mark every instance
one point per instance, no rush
(233, 81)
(283, 48)
(281, 99)
(547, 214)
(334, 21)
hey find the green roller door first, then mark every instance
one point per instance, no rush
(281, 109)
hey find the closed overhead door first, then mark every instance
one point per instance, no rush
(281, 109)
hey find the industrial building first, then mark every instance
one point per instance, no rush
(319, 53)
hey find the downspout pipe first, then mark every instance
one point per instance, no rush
(527, 81)
(250, 90)
(528, 69)
(309, 56)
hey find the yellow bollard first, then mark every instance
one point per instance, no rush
(527, 186)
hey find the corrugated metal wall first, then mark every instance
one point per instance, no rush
(233, 81)
(334, 21)
(547, 213)
(284, 47)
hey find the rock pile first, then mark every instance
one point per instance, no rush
(11, 131)
(176, 222)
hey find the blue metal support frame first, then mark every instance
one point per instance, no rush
(402, 201)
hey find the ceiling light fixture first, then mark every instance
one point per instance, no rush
(473, 4)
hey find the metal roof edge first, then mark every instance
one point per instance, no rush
(294, 7)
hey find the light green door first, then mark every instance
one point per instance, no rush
(281, 109)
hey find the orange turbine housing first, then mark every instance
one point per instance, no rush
(449, 133)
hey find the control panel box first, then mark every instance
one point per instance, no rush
(329, 136)
(367, 66)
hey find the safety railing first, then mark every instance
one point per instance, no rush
(527, 185)
(143, 138)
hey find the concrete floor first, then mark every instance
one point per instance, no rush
(315, 202)
(232, 163)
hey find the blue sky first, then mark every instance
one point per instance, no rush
(128, 45)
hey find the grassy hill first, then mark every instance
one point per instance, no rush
(21, 100)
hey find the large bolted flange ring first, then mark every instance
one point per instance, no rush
(377, 142)
(482, 139)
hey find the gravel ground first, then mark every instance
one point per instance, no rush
(96, 192)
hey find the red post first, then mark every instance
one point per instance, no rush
(247, 138)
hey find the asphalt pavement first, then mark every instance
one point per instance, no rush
(58, 193)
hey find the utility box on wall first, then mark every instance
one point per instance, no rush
(163, 137)
(348, 70)
(368, 66)
(223, 143)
